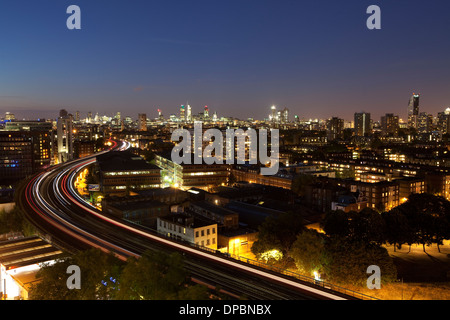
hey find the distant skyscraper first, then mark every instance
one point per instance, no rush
(142, 122)
(389, 124)
(413, 110)
(273, 116)
(335, 128)
(413, 106)
(160, 115)
(64, 133)
(182, 113)
(362, 124)
(285, 115)
(206, 113)
(424, 122)
(443, 121)
(188, 113)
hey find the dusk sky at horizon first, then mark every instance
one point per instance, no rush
(317, 58)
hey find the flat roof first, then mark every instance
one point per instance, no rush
(230, 233)
(183, 219)
(123, 161)
(27, 251)
(213, 208)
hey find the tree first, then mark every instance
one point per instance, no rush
(278, 232)
(157, 276)
(336, 223)
(367, 226)
(398, 230)
(308, 251)
(15, 221)
(428, 217)
(347, 262)
(99, 273)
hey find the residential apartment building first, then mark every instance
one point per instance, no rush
(198, 231)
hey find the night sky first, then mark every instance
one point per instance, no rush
(315, 57)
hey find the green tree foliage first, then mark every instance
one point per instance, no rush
(336, 223)
(428, 218)
(278, 232)
(52, 284)
(308, 251)
(367, 226)
(347, 262)
(157, 276)
(15, 221)
(99, 272)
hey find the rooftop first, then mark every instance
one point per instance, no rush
(205, 205)
(123, 161)
(27, 251)
(186, 220)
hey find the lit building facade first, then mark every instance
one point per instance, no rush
(64, 134)
(200, 232)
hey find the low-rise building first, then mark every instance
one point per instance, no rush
(122, 171)
(20, 261)
(191, 175)
(224, 217)
(199, 231)
(140, 210)
(237, 241)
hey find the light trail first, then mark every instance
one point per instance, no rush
(63, 188)
(68, 190)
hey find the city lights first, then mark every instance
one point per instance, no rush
(251, 150)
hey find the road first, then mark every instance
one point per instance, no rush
(53, 205)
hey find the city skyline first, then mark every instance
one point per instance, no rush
(318, 60)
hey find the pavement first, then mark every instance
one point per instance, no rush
(414, 265)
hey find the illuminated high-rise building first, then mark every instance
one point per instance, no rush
(206, 113)
(64, 134)
(424, 122)
(273, 116)
(142, 122)
(335, 128)
(413, 110)
(182, 114)
(160, 115)
(362, 124)
(188, 113)
(413, 106)
(285, 115)
(390, 124)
